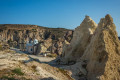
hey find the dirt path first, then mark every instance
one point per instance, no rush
(47, 60)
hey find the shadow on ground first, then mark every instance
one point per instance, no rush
(49, 78)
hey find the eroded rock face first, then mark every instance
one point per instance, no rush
(81, 38)
(103, 52)
(49, 37)
(100, 57)
(68, 36)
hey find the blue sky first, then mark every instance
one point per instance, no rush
(57, 13)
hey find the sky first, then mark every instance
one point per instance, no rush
(58, 13)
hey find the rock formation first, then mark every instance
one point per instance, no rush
(100, 57)
(103, 52)
(17, 35)
(15, 66)
(81, 38)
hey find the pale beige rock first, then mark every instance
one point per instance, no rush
(81, 38)
(103, 52)
(76, 69)
(32, 67)
(44, 73)
(18, 33)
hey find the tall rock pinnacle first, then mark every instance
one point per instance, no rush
(81, 38)
(103, 52)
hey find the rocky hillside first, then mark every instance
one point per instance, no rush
(15, 66)
(100, 58)
(16, 34)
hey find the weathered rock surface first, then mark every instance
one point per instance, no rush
(4, 46)
(31, 67)
(18, 35)
(103, 52)
(81, 38)
(100, 57)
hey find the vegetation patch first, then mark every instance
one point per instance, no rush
(52, 55)
(34, 30)
(8, 78)
(18, 71)
(1, 47)
(34, 68)
(65, 73)
(13, 78)
(9, 51)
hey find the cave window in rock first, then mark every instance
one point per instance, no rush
(31, 49)
(1, 30)
(53, 37)
(46, 35)
(27, 31)
(15, 32)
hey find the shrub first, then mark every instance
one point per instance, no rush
(1, 47)
(18, 71)
(8, 78)
(12, 78)
(34, 68)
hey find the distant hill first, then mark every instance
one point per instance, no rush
(58, 32)
(20, 34)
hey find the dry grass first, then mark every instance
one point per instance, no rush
(34, 67)
(1, 47)
(52, 55)
(9, 51)
(65, 73)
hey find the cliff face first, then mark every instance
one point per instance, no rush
(19, 34)
(81, 38)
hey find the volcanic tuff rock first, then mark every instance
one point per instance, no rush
(103, 52)
(100, 57)
(15, 66)
(81, 38)
(18, 33)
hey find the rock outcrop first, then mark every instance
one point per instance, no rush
(17, 35)
(15, 66)
(81, 38)
(4, 46)
(100, 57)
(103, 52)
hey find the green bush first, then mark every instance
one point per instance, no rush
(8, 78)
(18, 71)
(1, 47)
(12, 78)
